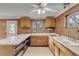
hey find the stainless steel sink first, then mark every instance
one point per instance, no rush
(69, 43)
(65, 40)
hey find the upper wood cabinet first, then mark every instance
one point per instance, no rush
(50, 22)
(25, 22)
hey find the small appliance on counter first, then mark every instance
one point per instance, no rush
(50, 29)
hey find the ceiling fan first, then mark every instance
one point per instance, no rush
(41, 8)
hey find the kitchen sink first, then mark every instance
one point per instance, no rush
(70, 43)
(66, 41)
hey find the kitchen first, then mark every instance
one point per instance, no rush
(39, 29)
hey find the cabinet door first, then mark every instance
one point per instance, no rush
(21, 23)
(52, 23)
(7, 50)
(33, 41)
(2, 29)
(49, 22)
(39, 41)
(62, 54)
(57, 51)
(52, 46)
(28, 23)
(25, 22)
(45, 40)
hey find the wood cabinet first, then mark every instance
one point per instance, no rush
(7, 50)
(2, 29)
(64, 49)
(52, 47)
(15, 50)
(25, 22)
(39, 41)
(24, 25)
(61, 53)
(59, 49)
(50, 22)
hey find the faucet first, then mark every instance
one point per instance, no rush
(69, 34)
(74, 40)
(70, 37)
(59, 34)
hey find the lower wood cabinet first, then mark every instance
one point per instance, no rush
(57, 51)
(39, 41)
(14, 50)
(60, 50)
(52, 47)
(7, 50)
(62, 53)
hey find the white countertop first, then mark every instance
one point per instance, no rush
(15, 40)
(73, 46)
(20, 38)
(42, 34)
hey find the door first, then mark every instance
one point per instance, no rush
(11, 28)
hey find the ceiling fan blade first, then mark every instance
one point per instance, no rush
(49, 9)
(36, 6)
(44, 4)
(33, 11)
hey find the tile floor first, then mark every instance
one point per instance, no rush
(38, 51)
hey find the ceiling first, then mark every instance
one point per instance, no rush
(17, 10)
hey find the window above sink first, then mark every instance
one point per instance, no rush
(73, 20)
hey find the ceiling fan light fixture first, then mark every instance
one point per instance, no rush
(42, 8)
(43, 11)
(39, 11)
